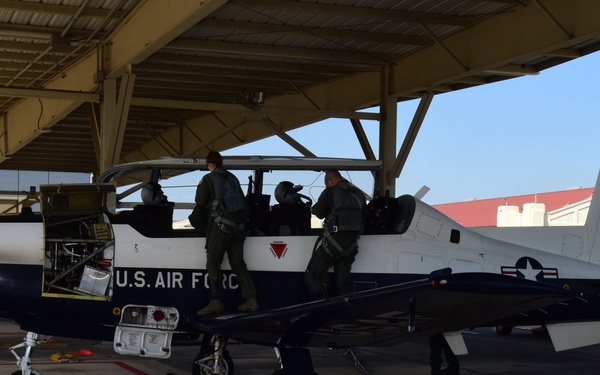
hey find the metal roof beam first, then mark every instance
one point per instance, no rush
(261, 109)
(31, 117)
(325, 33)
(95, 126)
(150, 27)
(66, 10)
(513, 70)
(154, 25)
(565, 52)
(534, 31)
(281, 52)
(287, 138)
(214, 137)
(262, 80)
(155, 70)
(502, 30)
(38, 32)
(35, 47)
(363, 140)
(353, 11)
(50, 94)
(199, 62)
(120, 120)
(411, 134)
(28, 58)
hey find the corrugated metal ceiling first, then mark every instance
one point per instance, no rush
(281, 47)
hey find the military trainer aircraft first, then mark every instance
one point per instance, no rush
(95, 261)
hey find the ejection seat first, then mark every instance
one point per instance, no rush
(154, 218)
(387, 215)
(258, 211)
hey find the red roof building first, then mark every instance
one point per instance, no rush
(483, 213)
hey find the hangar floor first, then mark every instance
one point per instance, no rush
(520, 353)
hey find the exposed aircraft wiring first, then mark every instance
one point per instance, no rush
(69, 252)
(350, 354)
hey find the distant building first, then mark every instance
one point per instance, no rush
(568, 207)
(17, 186)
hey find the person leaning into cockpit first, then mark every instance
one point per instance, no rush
(343, 206)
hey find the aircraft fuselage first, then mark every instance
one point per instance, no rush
(130, 268)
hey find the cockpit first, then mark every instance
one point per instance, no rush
(280, 192)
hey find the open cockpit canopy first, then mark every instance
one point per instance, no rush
(257, 174)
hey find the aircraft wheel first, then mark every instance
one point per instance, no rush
(33, 372)
(504, 330)
(542, 331)
(205, 361)
(282, 372)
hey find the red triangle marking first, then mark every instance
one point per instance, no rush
(278, 249)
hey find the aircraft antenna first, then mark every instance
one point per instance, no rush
(421, 193)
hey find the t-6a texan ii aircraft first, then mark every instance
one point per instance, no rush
(104, 261)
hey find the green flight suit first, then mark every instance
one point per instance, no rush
(218, 242)
(343, 254)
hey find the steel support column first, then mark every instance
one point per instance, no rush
(387, 132)
(115, 110)
(411, 134)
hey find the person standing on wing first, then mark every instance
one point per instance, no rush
(220, 191)
(343, 206)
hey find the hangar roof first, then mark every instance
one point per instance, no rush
(83, 79)
(484, 212)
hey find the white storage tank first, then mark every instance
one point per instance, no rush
(508, 216)
(534, 214)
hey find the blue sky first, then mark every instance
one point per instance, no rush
(521, 136)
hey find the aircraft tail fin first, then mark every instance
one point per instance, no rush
(592, 225)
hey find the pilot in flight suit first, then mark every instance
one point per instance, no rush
(220, 191)
(343, 207)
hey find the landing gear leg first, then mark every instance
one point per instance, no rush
(24, 363)
(213, 359)
(294, 361)
(350, 354)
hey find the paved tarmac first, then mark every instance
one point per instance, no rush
(520, 353)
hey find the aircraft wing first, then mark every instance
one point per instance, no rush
(388, 315)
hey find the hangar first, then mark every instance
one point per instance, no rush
(87, 84)
(565, 207)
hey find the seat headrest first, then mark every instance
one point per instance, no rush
(152, 194)
(287, 193)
